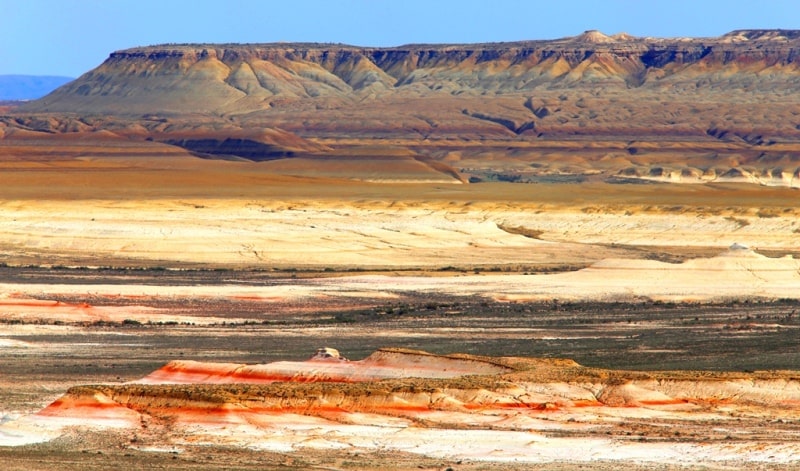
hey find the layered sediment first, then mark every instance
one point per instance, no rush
(248, 180)
(619, 108)
(532, 409)
(246, 77)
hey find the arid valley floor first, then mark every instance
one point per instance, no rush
(628, 298)
(575, 254)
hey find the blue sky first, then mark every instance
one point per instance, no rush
(69, 37)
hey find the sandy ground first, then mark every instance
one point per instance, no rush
(727, 422)
(123, 203)
(283, 248)
(267, 235)
(737, 274)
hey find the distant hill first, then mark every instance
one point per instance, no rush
(590, 106)
(241, 78)
(29, 87)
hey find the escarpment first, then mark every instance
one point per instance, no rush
(235, 78)
(618, 108)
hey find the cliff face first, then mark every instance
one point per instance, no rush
(697, 110)
(236, 78)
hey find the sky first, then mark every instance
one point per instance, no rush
(70, 37)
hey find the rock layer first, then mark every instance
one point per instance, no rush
(529, 410)
(239, 78)
(621, 108)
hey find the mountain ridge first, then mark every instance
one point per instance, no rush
(679, 109)
(246, 77)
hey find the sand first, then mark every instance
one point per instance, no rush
(737, 274)
(343, 235)
(332, 242)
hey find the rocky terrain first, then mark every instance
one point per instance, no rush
(617, 107)
(512, 409)
(66, 326)
(183, 225)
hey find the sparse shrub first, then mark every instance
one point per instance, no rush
(740, 222)
(344, 317)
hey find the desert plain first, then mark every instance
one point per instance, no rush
(576, 254)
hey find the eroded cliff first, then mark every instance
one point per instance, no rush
(235, 78)
(676, 110)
